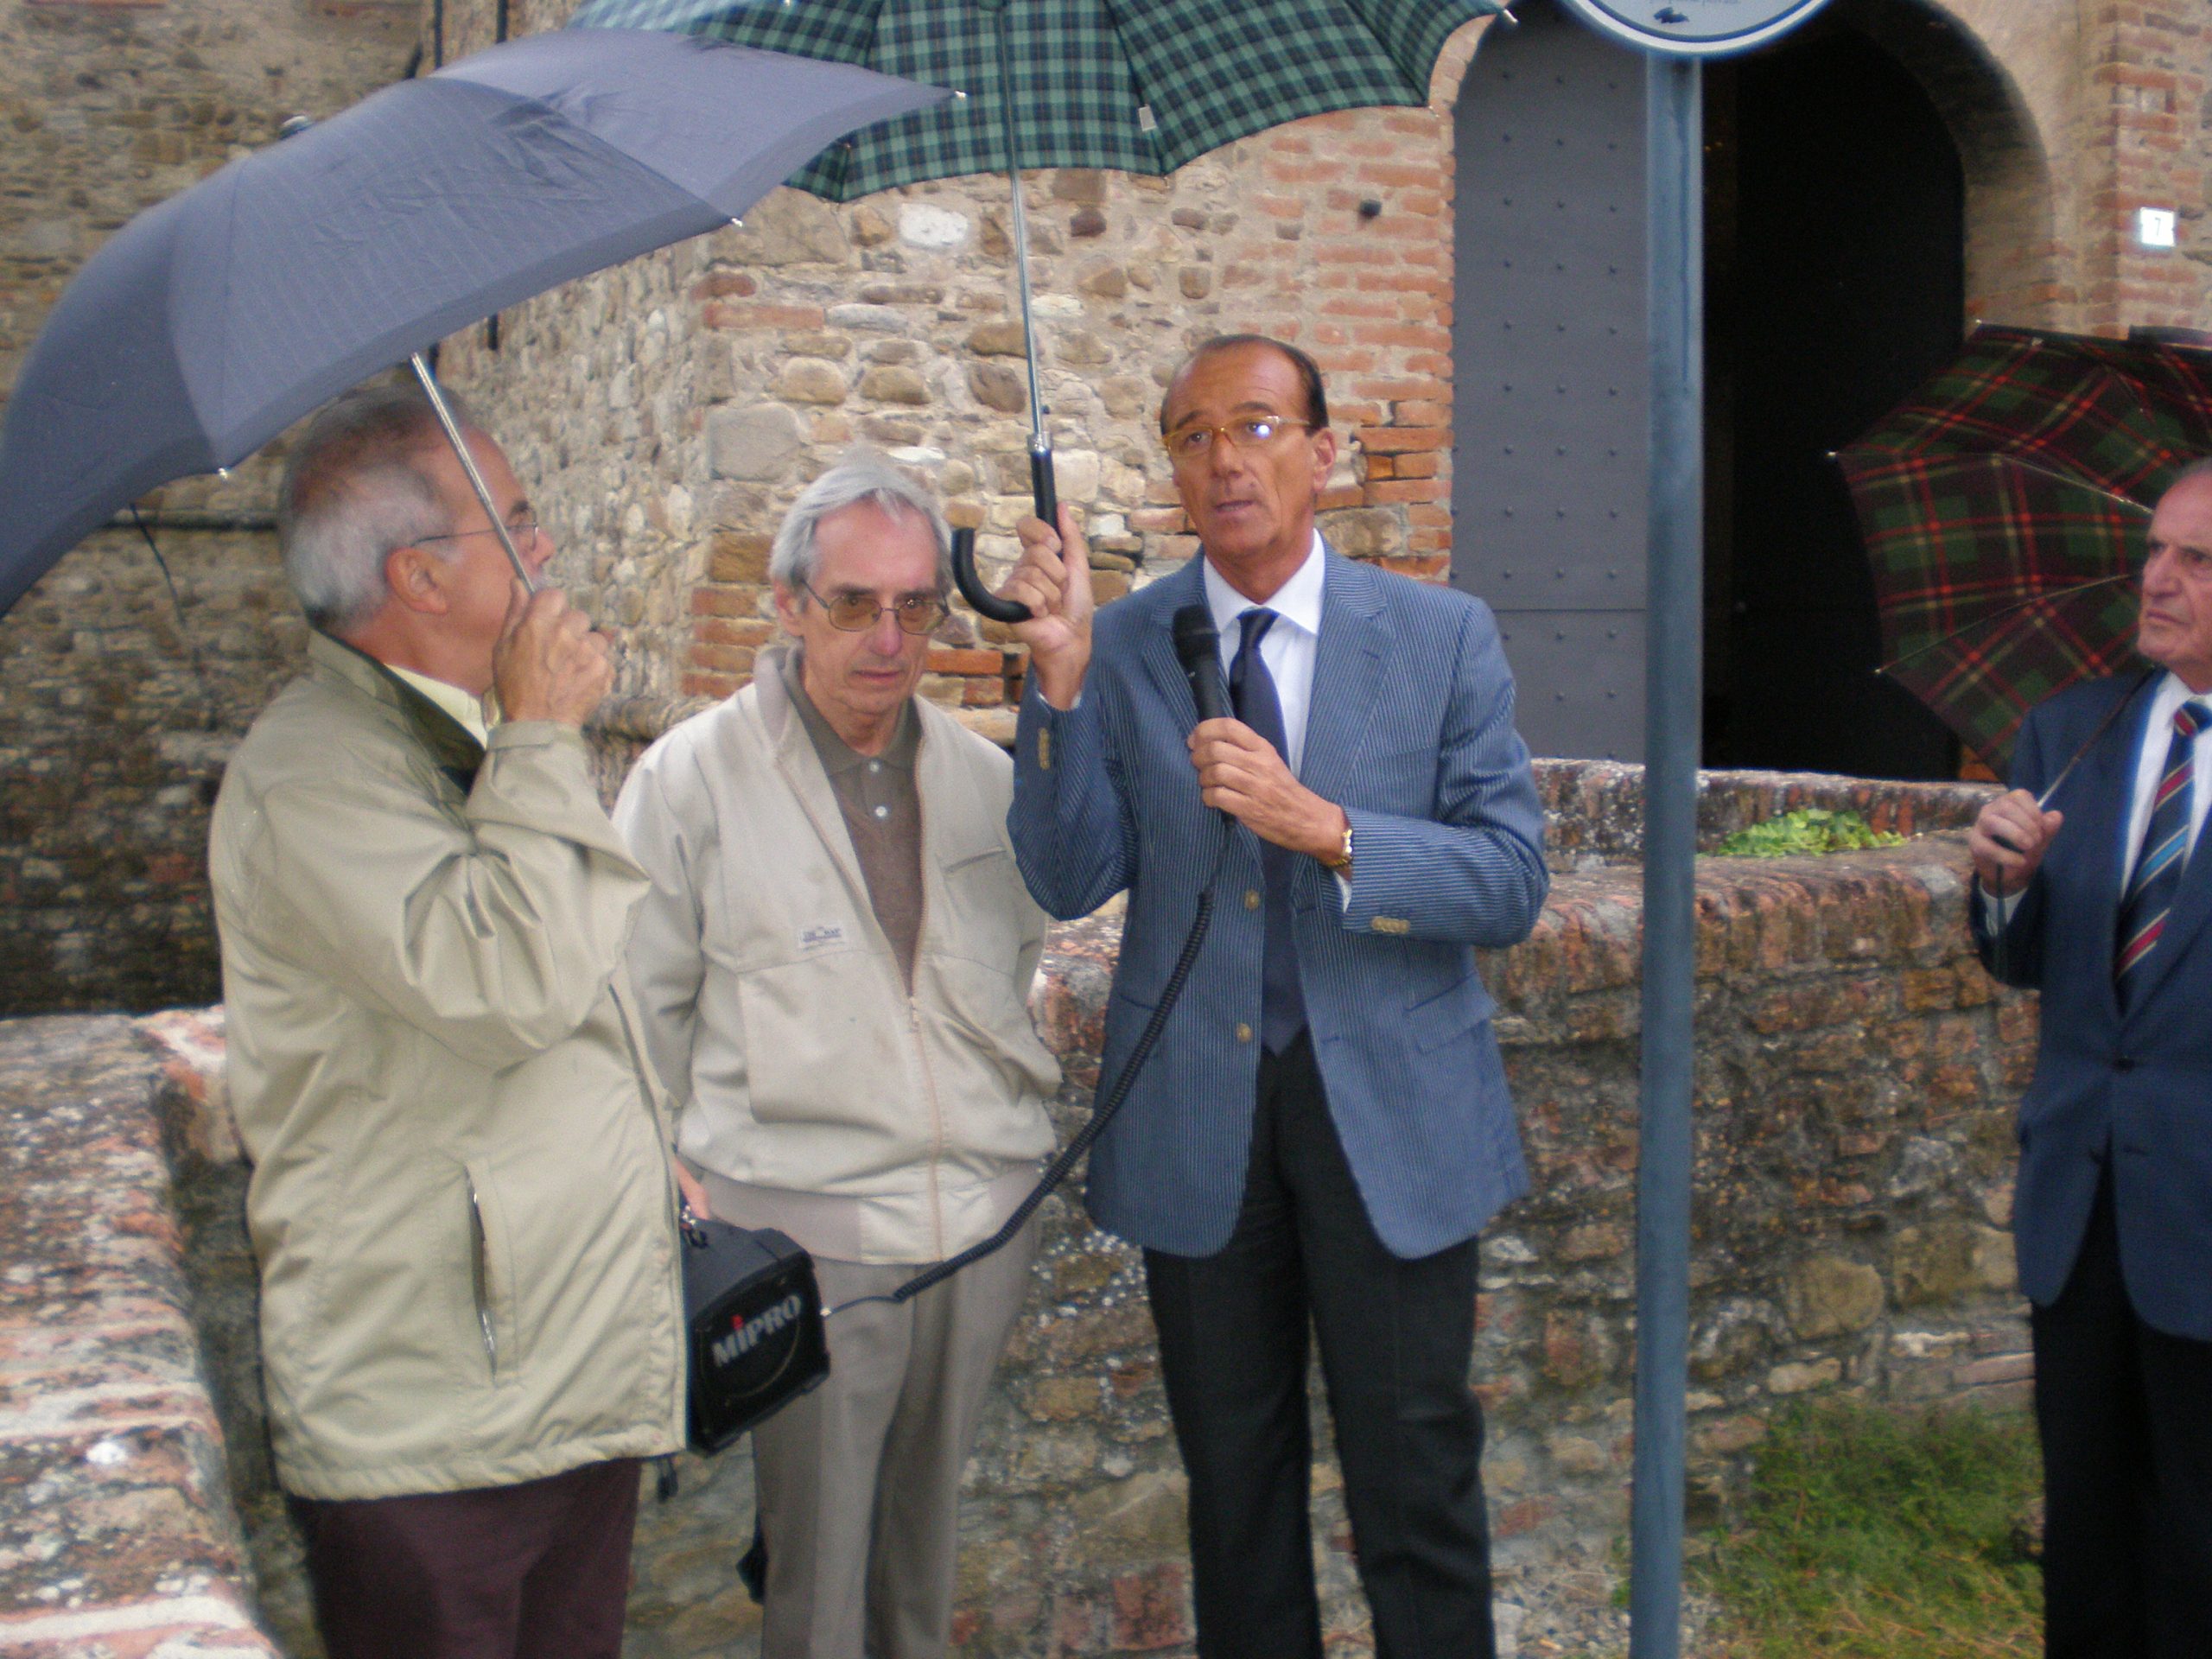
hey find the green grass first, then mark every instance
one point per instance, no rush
(1876, 1534)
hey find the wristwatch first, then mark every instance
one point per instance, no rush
(1342, 863)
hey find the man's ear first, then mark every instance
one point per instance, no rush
(788, 609)
(415, 580)
(1324, 458)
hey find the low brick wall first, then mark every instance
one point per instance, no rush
(1856, 1077)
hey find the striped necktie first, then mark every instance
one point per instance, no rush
(2166, 850)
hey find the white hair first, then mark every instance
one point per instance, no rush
(354, 489)
(861, 475)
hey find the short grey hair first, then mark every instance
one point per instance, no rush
(2201, 468)
(861, 476)
(356, 488)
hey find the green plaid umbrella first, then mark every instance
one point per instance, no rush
(2003, 506)
(1141, 86)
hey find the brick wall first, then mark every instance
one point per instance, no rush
(746, 362)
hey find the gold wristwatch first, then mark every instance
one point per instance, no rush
(1342, 863)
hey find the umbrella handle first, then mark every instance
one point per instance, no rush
(965, 577)
(1045, 495)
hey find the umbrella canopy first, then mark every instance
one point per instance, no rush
(2004, 505)
(1140, 86)
(212, 321)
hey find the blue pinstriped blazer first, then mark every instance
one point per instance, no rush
(1411, 732)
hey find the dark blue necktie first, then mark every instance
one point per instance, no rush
(2165, 852)
(1252, 689)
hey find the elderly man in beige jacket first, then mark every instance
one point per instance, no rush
(835, 961)
(462, 1201)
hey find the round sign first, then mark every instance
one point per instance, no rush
(1693, 28)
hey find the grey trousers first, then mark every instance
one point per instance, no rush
(860, 1480)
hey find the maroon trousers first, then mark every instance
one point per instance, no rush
(536, 1571)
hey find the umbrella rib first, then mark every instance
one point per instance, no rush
(2051, 598)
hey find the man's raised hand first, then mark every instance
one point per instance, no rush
(2008, 841)
(1054, 580)
(549, 663)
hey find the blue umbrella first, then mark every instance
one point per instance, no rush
(212, 321)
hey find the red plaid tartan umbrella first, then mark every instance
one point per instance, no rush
(2003, 506)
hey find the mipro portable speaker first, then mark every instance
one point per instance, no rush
(756, 1335)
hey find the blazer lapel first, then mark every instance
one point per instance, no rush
(1347, 677)
(2096, 802)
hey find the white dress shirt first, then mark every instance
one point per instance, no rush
(2151, 763)
(1287, 648)
(473, 714)
(1289, 645)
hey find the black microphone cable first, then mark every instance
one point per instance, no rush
(1198, 645)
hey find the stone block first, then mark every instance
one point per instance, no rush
(997, 339)
(1803, 1377)
(926, 225)
(809, 380)
(1947, 1261)
(754, 441)
(895, 385)
(787, 227)
(1831, 1295)
(996, 386)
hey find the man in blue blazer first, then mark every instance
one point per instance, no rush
(2091, 897)
(1323, 1127)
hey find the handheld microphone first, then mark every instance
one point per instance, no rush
(1198, 645)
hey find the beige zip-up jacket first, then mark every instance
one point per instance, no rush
(871, 1125)
(461, 1198)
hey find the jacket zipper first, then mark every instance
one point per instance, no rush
(477, 1277)
(914, 1023)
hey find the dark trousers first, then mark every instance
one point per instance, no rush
(1396, 1337)
(2125, 1414)
(540, 1570)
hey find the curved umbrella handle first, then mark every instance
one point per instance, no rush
(965, 577)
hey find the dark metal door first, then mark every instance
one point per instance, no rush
(1549, 363)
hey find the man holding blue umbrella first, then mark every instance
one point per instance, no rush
(462, 1204)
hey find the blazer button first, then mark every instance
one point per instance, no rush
(2123, 1062)
(1251, 898)
(1244, 1031)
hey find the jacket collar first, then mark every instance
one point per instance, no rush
(453, 749)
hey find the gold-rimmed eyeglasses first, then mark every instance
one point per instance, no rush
(1194, 443)
(523, 532)
(917, 614)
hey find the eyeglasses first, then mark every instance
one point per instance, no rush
(1194, 443)
(521, 531)
(917, 614)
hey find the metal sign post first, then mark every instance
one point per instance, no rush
(1674, 35)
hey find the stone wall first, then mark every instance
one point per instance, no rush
(1855, 1083)
(119, 711)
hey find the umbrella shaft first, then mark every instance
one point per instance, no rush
(1020, 234)
(444, 413)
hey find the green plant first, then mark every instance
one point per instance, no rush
(1871, 1534)
(1808, 830)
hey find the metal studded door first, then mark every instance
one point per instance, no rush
(1551, 377)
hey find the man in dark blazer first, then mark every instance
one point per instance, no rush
(1323, 1127)
(2091, 898)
